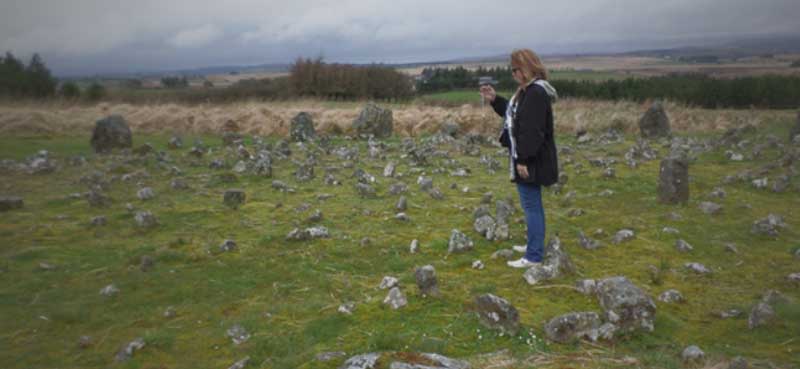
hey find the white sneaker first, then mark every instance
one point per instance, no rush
(520, 248)
(521, 263)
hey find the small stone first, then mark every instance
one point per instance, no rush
(683, 246)
(670, 230)
(730, 247)
(586, 286)
(85, 342)
(459, 242)
(402, 217)
(240, 364)
(588, 243)
(760, 183)
(328, 356)
(402, 204)
(99, 221)
(109, 290)
(178, 184)
(692, 354)
(768, 226)
(794, 278)
(238, 334)
(497, 313)
(697, 268)
(572, 326)
(623, 235)
(228, 246)
(395, 299)
(477, 264)
(710, 208)
(414, 247)
(170, 312)
(10, 203)
(347, 308)
(145, 219)
(389, 282)
(127, 351)
(146, 263)
(507, 254)
(670, 296)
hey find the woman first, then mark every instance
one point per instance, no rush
(528, 135)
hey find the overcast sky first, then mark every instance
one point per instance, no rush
(86, 36)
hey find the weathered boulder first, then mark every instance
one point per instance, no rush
(426, 281)
(673, 182)
(572, 326)
(655, 123)
(302, 127)
(556, 263)
(111, 133)
(626, 305)
(395, 299)
(374, 120)
(497, 313)
(233, 198)
(459, 242)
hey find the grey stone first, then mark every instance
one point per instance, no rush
(126, 352)
(365, 190)
(426, 281)
(234, 198)
(586, 286)
(170, 312)
(11, 202)
(556, 263)
(793, 278)
(683, 246)
(692, 354)
(655, 123)
(145, 219)
(145, 194)
(146, 263)
(481, 211)
(395, 299)
(623, 236)
(761, 314)
(414, 247)
(308, 233)
(238, 334)
(111, 133)
(389, 282)
(330, 355)
(175, 142)
(768, 226)
(389, 170)
(85, 342)
(227, 246)
(179, 184)
(97, 199)
(497, 313)
(459, 242)
(302, 127)
(398, 188)
(240, 364)
(374, 120)
(626, 305)
(710, 207)
(304, 172)
(347, 308)
(738, 363)
(697, 268)
(503, 211)
(436, 194)
(572, 326)
(402, 217)
(539, 273)
(588, 243)
(363, 361)
(402, 204)
(477, 264)
(425, 183)
(670, 296)
(485, 226)
(110, 290)
(99, 221)
(673, 182)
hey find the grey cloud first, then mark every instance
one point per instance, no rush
(114, 35)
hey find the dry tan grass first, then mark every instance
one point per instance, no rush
(409, 119)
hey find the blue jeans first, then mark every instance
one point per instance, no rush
(530, 197)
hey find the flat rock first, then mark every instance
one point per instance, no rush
(626, 305)
(497, 313)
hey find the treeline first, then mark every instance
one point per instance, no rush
(447, 79)
(694, 89)
(316, 78)
(701, 90)
(33, 80)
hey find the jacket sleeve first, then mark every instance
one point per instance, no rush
(499, 104)
(532, 122)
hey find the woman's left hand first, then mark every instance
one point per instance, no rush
(522, 170)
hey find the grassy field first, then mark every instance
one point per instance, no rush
(286, 293)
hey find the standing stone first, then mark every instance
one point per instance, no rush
(374, 120)
(673, 183)
(234, 198)
(146, 219)
(655, 123)
(302, 128)
(426, 281)
(402, 204)
(110, 133)
(497, 313)
(626, 305)
(459, 242)
(10, 203)
(761, 314)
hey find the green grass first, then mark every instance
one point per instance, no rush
(286, 293)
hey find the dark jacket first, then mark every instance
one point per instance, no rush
(533, 134)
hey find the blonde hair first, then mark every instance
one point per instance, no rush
(528, 64)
